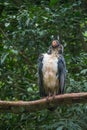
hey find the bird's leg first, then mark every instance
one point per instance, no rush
(54, 94)
(48, 96)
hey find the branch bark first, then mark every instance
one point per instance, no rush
(32, 106)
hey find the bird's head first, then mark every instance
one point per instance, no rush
(57, 47)
(55, 44)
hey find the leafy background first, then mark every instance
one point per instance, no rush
(27, 28)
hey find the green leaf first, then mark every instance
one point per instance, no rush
(60, 128)
(30, 89)
(85, 34)
(7, 24)
(3, 57)
(53, 2)
(84, 71)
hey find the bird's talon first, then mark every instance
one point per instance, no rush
(53, 97)
(47, 98)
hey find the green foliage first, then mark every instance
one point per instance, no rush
(26, 30)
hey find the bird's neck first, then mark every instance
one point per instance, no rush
(55, 53)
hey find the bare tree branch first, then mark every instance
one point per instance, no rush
(32, 106)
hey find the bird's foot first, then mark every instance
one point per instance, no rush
(47, 98)
(53, 97)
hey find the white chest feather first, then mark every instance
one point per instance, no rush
(50, 63)
(50, 70)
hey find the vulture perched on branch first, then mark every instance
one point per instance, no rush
(52, 71)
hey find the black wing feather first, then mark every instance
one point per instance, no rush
(62, 74)
(40, 74)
